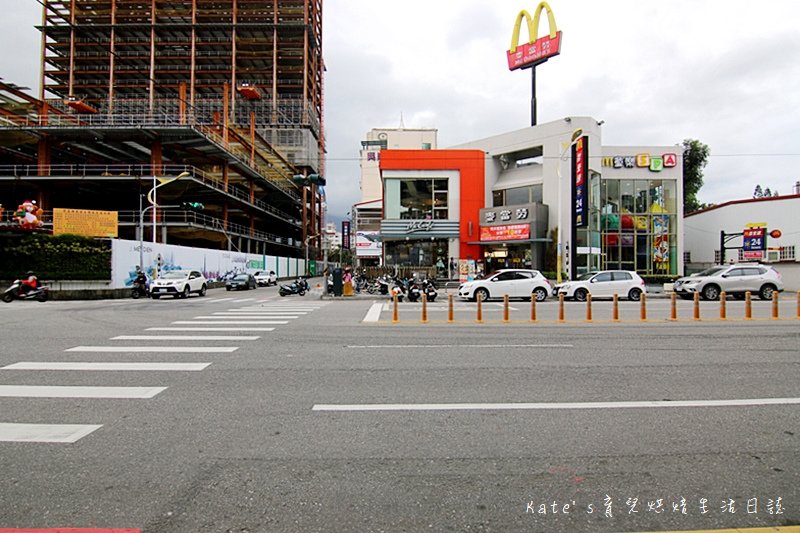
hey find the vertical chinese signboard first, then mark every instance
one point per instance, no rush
(346, 234)
(580, 169)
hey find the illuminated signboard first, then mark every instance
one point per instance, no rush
(755, 242)
(580, 170)
(655, 163)
(536, 50)
(346, 234)
(85, 222)
(509, 232)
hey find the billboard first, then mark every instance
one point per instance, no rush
(538, 49)
(509, 232)
(86, 222)
(368, 244)
(580, 173)
(754, 243)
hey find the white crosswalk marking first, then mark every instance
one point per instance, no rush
(52, 433)
(53, 365)
(207, 329)
(245, 317)
(154, 349)
(56, 391)
(184, 338)
(233, 322)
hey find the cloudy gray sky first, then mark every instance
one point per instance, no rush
(657, 73)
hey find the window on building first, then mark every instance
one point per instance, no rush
(416, 199)
(787, 253)
(529, 194)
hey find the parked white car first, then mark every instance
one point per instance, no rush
(517, 283)
(178, 283)
(604, 284)
(265, 279)
(735, 280)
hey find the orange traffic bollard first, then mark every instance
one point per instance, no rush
(643, 307)
(748, 306)
(615, 308)
(450, 317)
(673, 307)
(723, 312)
(533, 307)
(774, 305)
(588, 307)
(561, 307)
(505, 308)
(696, 306)
(395, 313)
(479, 318)
(424, 318)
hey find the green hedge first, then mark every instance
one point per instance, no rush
(63, 257)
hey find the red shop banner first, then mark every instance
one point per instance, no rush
(510, 232)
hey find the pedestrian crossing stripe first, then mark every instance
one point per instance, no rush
(49, 433)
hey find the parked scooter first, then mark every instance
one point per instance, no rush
(14, 292)
(429, 289)
(414, 291)
(298, 286)
(398, 289)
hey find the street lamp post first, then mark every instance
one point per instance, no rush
(151, 197)
(561, 158)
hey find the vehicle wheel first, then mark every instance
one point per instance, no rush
(483, 293)
(8, 297)
(540, 294)
(155, 296)
(581, 295)
(42, 297)
(228, 289)
(203, 290)
(711, 292)
(766, 292)
(186, 292)
(634, 295)
(302, 292)
(282, 293)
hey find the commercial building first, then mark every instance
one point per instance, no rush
(501, 202)
(228, 91)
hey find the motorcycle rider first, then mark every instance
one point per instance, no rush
(31, 282)
(140, 281)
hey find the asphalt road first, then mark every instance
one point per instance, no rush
(326, 416)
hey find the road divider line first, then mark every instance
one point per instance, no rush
(57, 365)
(554, 406)
(260, 312)
(52, 433)
(247, 317)
(57, 391)
(185, 338)
(154, 349)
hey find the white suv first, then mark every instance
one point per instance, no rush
(604, 284)
(265, 279)
(735, 280)
(179, 283)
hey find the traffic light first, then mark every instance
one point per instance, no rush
(192, 206)
(311, 179)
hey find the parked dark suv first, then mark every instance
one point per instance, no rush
(734, 280)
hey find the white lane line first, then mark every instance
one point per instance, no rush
(551, 406)
(245, 317)
(52, 433)
(233, 322)
(209, 329)
(237, 312)
(184, 338)
(243, 300)
(37, 365)
(374, 313)
(371, 346)
(154, 349)
(217, 300)
(52, 391)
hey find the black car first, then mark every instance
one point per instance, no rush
(242, 282)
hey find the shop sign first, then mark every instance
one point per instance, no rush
(538, 49)
(579, 177)
(506, 215)
(414, 226)
(754, 242)
(420, 229)
(655, 163)
(345, 234)
(509, 232)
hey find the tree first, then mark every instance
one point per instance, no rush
(695, 158)
(764, 193)
(758, 192)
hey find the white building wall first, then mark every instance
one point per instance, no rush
(702, 231)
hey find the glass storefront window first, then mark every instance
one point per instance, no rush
(530, 194)
(416, 199)
(642, 202)
(416, 253)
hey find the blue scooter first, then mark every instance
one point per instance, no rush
(299, 286)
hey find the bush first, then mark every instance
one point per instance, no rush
(62, 257)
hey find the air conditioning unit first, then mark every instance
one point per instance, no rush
(773, 256)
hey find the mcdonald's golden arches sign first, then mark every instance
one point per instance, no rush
(536, 50)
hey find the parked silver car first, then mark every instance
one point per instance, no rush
(604, 284)
(516, 283)
(735, 280)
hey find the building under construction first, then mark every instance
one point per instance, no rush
(226, 93)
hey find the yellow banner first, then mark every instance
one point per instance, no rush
(85, 222)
